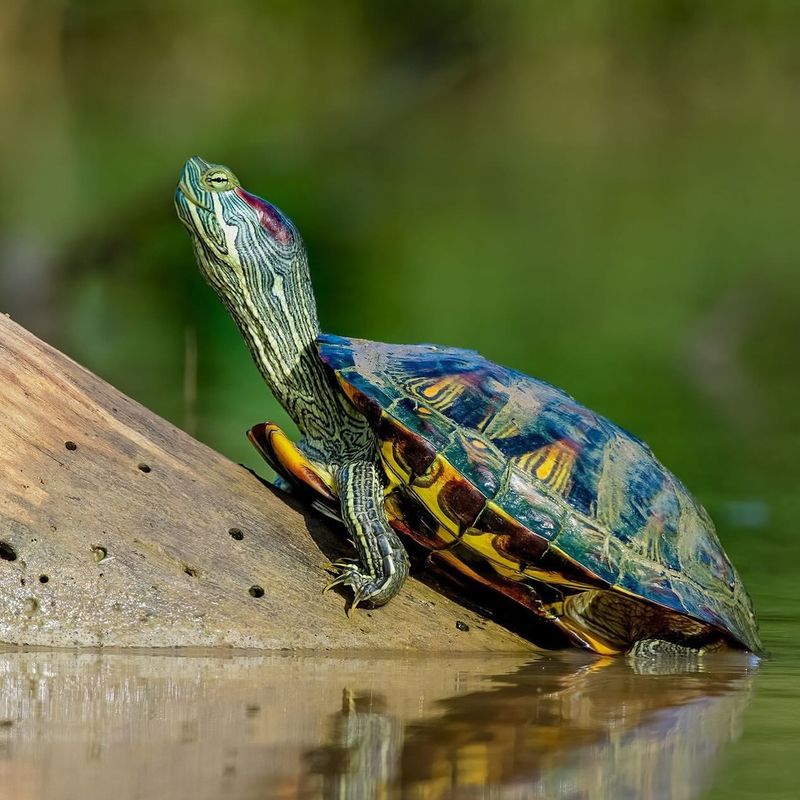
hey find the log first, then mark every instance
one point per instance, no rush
(117, 529)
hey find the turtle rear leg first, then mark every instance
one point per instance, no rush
(293, 465)
(608, 622)
(383, 565)
(661, 649)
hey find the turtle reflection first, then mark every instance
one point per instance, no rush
(556, 728)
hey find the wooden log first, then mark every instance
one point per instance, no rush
(117, 529)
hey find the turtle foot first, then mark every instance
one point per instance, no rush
(659, 657)
(662, 650)
(366, 588)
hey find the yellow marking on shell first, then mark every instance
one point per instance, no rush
(391, 464)
(394, 514)
(482, 452)
(507, 430)
(428, 486)
(456, 563)
(551, 464)
(392, 482)
(431, 390)
(569, 627)
(481, 543)
(295, 460)
(557, 551)
(441, 393)
(473, 765)
(445, 535)
(555, 578)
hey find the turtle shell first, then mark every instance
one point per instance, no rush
(526, 476)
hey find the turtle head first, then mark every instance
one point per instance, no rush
(244, 245)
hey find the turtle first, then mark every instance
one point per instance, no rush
(503, 479)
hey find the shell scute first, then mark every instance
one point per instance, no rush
(592, 547)
(531, 504)
(408, 517)
(412, 453)
(461, 502)
(513, 541)
(453, 500)
(477, 461)
(454, 397)
(420, 421)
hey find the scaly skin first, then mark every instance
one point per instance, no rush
(254, 258)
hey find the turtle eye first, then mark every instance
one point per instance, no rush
(218, 180)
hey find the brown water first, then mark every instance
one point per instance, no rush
(99, 725)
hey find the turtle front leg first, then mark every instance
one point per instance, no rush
(382, 566)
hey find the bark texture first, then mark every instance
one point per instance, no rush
(118, 529)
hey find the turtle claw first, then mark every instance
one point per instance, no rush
(339, 580)
(341, 565)
(350, 575)
(345, 564)
(360, 595)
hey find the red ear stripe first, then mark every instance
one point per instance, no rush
(268, 216)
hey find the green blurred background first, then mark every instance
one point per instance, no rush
(600, 194)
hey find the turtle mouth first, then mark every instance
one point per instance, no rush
(186, 192)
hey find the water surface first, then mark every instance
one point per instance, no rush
(563, 725)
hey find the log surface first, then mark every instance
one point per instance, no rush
(115, 530)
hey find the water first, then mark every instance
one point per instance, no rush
(566, 725)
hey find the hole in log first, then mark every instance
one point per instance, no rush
(144, 467)
(44, 578)
(236, 533)
(70, 445)
(190, 571)
(256, 591)
(7, 552)
(462, 626)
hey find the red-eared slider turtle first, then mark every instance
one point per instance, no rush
(505, 478)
